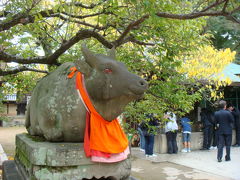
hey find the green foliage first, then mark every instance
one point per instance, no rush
(21, 83)
(2, 108)
(225, 34)
(168, 90)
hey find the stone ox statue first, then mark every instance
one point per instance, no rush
(55, 110)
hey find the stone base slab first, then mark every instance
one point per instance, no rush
(41, 160)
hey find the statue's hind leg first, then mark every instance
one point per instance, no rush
(50, 123)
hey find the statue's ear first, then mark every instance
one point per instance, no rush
(83, 67)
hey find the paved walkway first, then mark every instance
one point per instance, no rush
(197, 165)
(185, 166)
(7, 138)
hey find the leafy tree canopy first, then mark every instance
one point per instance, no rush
(150, 37)
(225, 34)
(2, 108)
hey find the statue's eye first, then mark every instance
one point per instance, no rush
(107, 71)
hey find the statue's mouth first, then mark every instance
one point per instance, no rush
(138, 91)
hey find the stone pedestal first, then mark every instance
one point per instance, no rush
(39, 160)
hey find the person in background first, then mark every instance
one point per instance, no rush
(215, 136)
(206, 120)
(142, 139)
(186, 134)
(235, 113)
(224, 120)
(171, 132)
(149, 130)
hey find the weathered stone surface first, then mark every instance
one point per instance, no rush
(63, 161)
(55, 110)
(44, 153)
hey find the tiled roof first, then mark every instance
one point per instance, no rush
(232, 71)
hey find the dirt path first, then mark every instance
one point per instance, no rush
(7, 138)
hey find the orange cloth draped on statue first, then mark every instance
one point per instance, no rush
(104, 136)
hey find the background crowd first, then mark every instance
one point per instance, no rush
(216, 126)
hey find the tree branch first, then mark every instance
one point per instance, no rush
(129, 28)
(225, 6)
(25, 18)
(22, 18)
(131, 38)
(191, 15)
(20, 69)
(227, 15)
(79, 22)
(12, 58)
(235, 10)
(52, 59)
(16, 19)
(231, 16)
(233, 19)
(216, 3)
(78, 4)
(85, 16)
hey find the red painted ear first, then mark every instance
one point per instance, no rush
(107, 71)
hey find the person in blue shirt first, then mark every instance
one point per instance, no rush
(186, 134)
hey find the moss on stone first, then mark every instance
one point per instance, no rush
(36, 138)
(22, 157)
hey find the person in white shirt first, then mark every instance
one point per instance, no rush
(171, 133)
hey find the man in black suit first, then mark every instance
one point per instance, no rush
(224, 120)
(207, 123)
(235, 112)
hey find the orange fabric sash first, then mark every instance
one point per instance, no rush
(105, 136)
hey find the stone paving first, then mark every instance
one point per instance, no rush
(197, 165)
(183, 166)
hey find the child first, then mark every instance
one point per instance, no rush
(186, 126)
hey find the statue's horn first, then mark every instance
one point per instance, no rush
(89, 56)
(112, 53)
